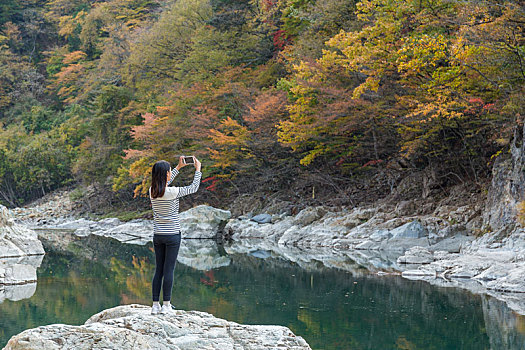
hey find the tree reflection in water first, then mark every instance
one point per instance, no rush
(137, 278)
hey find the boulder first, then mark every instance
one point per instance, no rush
(203, 221)
(452, 244)
(15, 239)
(308, 215)
(412, 229)
(402, 244)
(262, 218)
(133, 327)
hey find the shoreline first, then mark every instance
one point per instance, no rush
(417, 247)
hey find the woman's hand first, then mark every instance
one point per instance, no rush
(181, 163)
(197, 164)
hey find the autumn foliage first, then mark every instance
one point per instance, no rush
(330, 93)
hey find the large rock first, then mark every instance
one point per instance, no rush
(262, 218)
(309, 215)
(412, 229)
(21, 253)
(133, 327)
(15, 239)
(203, 221)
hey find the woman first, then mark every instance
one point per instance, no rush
(166, 226)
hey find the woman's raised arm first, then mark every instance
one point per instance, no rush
(174, 172)
(184, 191)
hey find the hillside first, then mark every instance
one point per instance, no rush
(312, 102)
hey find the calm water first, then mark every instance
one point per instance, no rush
(330, 308)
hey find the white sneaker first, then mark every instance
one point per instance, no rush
(155, 309)
(166, 309)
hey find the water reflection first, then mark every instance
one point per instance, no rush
(329, 307)
(202, 254)
(18, 276)
(356, 261)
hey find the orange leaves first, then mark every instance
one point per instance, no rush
(74, 57)
(232, 133)
(144, 132)
(231, 138)
(241, 145)
(68, 81)
(269, 107)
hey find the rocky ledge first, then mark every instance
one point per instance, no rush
(133, 327)
(21, 254)
(17, 240)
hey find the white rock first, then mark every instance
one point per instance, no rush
(20, 255)
(133, 327)
(418, 274)
(412, 229)
(308, 215)
(203, 221)
(16, 239)
(416, 255)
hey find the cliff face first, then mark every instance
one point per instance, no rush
(508, 186)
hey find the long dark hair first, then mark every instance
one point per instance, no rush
(159, 178)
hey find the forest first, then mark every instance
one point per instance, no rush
(332, 101)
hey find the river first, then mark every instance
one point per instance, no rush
(331, 308)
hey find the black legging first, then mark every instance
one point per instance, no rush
(166, 251)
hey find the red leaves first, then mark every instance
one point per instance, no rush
(279, 38)
(478, 106)
(214, 180)
(475, 100)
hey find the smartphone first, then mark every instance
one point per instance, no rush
(188, 160)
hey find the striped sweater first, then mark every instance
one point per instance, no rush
(166, 208)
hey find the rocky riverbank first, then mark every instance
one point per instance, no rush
(201, 221)
(439, 247)
(133, 327)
